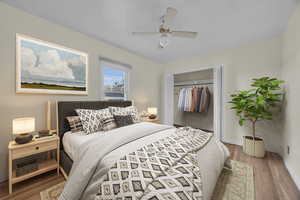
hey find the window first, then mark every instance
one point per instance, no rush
(115, 80)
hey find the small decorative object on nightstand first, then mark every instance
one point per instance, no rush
(153, 112)
(38, 166)
(23, 127)
(144, 114)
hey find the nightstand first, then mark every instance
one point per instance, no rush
(157, 121)
(17, 151)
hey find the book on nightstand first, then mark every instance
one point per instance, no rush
(44, 137)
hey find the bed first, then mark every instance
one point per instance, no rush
(106, 165)
(66, 109)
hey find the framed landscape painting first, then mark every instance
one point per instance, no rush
(46, 68)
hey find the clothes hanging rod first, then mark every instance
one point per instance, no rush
(194, 83)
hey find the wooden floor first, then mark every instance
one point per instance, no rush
(272, 180)
(31, 188)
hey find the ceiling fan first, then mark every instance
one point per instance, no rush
(164, 30)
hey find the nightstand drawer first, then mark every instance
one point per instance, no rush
(34, 149)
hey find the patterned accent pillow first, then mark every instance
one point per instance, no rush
(75, 123)
(107, 120)
(130, 110)
(123, 120)
(90, 120)
(96, 120)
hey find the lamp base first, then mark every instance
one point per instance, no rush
(152, 116)
(23, 138)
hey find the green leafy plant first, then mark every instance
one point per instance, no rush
(255, 104)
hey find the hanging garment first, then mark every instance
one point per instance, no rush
(194, 100)
(205, 98)
(191, 99)
(181, 99)
(188, 100)
(199, 93)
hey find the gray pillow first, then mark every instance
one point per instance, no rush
(123, 120)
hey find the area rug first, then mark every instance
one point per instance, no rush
(235, 184)
(53, 192)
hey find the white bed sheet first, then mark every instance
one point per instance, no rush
(73, 141)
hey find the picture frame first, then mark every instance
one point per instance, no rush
(46, 68)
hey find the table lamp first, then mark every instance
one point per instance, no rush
(23, 127)
(153, 112)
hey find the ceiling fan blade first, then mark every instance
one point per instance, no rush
(185, 34)
(145, 33)
(169, 16)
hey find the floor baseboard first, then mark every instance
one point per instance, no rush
(292, 174)
(227, 142)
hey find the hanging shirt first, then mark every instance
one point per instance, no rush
(188, 100)
(205, 99)
(199, 93)
(181, 99)
(194, 100)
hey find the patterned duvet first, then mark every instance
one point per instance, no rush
(163, 170)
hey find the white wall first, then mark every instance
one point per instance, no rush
(145, 87)
(291, 74)
(241, 64)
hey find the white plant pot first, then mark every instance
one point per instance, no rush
(257, 149)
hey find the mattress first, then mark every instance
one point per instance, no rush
(73, 141)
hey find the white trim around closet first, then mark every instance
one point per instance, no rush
(168, 97)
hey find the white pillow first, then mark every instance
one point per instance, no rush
(130, 110)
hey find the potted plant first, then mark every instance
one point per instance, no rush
(255, 105)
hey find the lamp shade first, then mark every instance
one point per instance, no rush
(23, 125)
(152, 110)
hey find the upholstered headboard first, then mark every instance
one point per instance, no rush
(67, 108)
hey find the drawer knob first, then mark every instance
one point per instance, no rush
(37, 148)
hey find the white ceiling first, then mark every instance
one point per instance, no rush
(220, 23)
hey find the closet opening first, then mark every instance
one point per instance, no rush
(195, 98)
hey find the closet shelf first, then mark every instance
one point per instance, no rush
(194, 83)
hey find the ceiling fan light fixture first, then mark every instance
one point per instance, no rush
(164, 41)
(166, 32)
